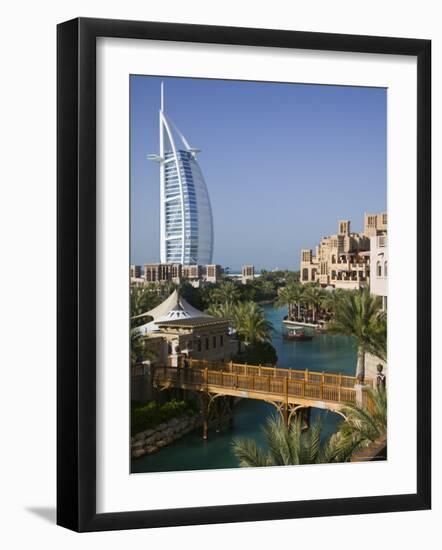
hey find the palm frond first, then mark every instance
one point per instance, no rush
(314, 443)
(249, 454)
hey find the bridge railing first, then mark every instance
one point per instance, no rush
(265, 384)
(333, 379)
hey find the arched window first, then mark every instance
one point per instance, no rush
(385, 269)
(305, 274)
(378, 269)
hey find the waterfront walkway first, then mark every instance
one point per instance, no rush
(288, 390)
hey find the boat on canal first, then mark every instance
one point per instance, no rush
(298, 335)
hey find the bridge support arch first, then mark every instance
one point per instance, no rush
(216, 410)
(289, 411)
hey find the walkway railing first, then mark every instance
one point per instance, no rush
(266, 383)
(312, 377)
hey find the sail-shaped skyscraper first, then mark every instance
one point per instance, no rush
(186, 225)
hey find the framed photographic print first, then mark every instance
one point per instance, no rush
(243, 274)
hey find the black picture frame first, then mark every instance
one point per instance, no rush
(76, 274)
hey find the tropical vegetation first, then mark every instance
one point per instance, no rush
(293, 445)
(251, 323)
(227, 292)
(252, 329)
(308, 302)
(359, 314)
(142, 299)
(139, 348)
(292, 297)
(259, 353)
(148, 415)
(364, 424)
(289, 446)
(314, 296)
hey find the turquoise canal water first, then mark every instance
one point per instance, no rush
(323, 353)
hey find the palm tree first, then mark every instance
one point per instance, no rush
(142, 299)
(289, 446)
(139, 348)
(290, 296)
(364, 424)
(358, 314)
(267, 288)
(250, 323)
(314, 296)
(224, 311)
(379, 348)
(247, 318)
(225, 293)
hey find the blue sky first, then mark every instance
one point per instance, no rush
(282, 163)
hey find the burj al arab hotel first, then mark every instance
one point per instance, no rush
(186, 225)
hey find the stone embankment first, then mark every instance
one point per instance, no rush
(152, 440)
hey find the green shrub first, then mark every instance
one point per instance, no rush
(259, 353)
(148, 415)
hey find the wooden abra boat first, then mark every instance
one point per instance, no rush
(299, 335)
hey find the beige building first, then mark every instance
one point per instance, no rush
(247, 273)
(184, 329)
(192, 272)
(136, 277)
(195, 274)
(157, 272)
(213, 273)
(343, 260)
(135, 271)
(375, 224)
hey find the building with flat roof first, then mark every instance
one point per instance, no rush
(135, 271)
(136, 276)
(161, 273)
(247, 273)
(343, 260)
(186, 225)
(192, 272)
(176, 273)
(212, 273)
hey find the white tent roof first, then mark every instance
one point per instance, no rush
(176, 307)
(172, 309)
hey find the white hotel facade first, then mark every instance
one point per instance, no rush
(379, 267)
(186, 224)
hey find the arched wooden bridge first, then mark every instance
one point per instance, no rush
(288, 390)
